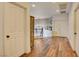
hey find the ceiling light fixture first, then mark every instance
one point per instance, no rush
(33, 5)
(57, 11)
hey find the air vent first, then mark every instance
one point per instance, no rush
(62, 7)
(62, 12)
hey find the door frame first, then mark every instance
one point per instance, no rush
(31, 43)
(25, 10)
(75, 26)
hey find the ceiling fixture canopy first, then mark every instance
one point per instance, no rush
(33, 5)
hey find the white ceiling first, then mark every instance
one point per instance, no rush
(46, 9)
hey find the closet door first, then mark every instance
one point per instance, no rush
(14, 29)
(1, 29)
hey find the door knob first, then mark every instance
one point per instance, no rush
(7, 36)
(75, 33)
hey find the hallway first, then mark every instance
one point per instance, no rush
(50, 29)
(55, 46)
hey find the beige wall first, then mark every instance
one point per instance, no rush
(1, 29)
(60, 25)
(71, 25)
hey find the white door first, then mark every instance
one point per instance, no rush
(77, 31)
(14, 30)
(1, 29)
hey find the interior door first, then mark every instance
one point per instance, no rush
(77, 31)
(14, 30)
(1, 29)
(32, 31)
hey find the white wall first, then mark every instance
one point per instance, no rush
(71, 25)
(43, 22)
(60, 25)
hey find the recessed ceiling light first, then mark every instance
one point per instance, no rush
(57, 11)
(33, 5)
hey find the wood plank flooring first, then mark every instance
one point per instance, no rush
(52, 47)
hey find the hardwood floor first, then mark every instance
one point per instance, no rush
(52, 47)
